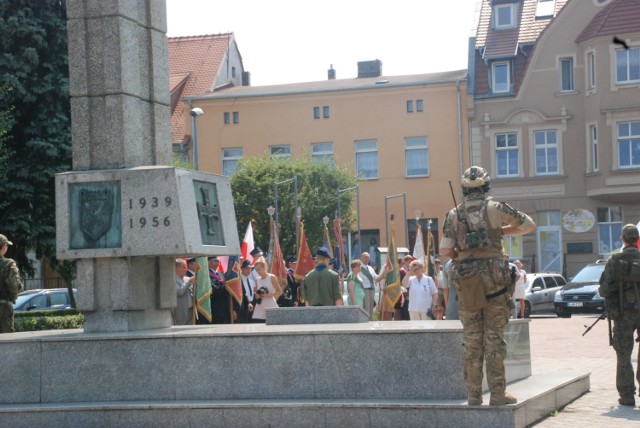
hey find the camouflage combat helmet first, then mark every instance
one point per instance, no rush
(476, 177)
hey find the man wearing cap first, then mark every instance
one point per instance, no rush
(10, 286)
(620, 287)
(256, 253)
(321, 286)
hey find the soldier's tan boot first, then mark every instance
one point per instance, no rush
(502, 399)
(474, 400)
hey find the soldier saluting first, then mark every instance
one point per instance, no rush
(620, 287)
(472, 237)
(10, 286)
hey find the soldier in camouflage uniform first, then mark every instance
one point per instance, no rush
(10, 286)
(472, 237)
(620, 286)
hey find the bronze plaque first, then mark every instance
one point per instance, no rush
(95, 215)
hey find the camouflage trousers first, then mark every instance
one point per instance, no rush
(483, 331)
(623, 342)
(6, 318)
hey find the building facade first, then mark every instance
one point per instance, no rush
(554, 117)
(405, 137)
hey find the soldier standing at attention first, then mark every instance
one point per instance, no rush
(10, 286)
(472, 237)
(620, 287)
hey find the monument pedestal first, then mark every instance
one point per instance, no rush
(367, 374)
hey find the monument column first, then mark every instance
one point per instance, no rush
(120, 115)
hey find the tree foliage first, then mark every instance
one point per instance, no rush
(34, 71)
(253, 187)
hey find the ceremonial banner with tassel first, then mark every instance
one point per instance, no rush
(247, 244)
(418, 248)
(278, 267)
(305, 258)
(431, 251)
(232, 279)
(393, 289)
(337, 232)
(203, 290)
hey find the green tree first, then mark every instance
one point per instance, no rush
(34, 69)
(253, 187)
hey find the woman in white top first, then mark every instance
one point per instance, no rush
(423, 292)
(266, 281)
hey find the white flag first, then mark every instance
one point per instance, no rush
(247, 244)
(418, 248)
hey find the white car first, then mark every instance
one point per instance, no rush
(540, 290)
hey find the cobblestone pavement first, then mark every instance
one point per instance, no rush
(557, 344)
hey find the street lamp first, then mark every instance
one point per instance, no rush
(195, 112)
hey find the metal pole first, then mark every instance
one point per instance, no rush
(295, 189)
(340, 192)
(295, 181)
(386, 221)
(276, 193)
(406, 226)
(195, 142)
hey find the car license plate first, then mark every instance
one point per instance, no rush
(574, 304)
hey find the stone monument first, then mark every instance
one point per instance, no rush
(121, 212)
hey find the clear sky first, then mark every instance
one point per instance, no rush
(289, 41)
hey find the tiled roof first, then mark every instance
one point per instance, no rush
(618, 17)
(198, 59)
(339, 85)
(504, 43)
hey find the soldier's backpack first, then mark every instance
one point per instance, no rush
(9, 279)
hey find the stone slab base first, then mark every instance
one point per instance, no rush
(317, 315)
(538, 395)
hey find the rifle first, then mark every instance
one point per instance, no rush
(455, 203)
(601, 317)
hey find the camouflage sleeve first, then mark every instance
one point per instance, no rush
(11, 277)
(515, 218)
(448, 233)
(607, 281)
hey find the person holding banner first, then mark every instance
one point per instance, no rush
(183, 312)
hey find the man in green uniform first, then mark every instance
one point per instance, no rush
(620, 287)
(321, 286)
(472, 237)
(10, 286)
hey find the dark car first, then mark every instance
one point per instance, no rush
(581, 294)
(45, 299)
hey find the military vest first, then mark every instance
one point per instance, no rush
(626, 271)
(10, 284)
(474, 230)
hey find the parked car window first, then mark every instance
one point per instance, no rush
(537, 283)
(549, 282)
(560, 280)
(59, 299)
(38, 302)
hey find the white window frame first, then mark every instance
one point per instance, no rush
(591, 71)
(609, 221)
(627, 62)
(567, 75)
(282, 151)
(517, 149)
(231, 156)
(414, 149)
(321, 152)
(409, 106)
(497, 9)
(505, 87)
(593, 147)
(548, 149)
(326, 112)
(633, 139)
(549, 241)
(366, 148)
(316, 112)
(419, 106)
(545, 8)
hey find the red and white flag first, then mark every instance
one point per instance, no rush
(247, 244)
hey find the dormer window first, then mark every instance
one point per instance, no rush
(545, 8)
(501, 77)
(504, 16)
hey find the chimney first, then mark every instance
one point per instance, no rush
(246, 78)
(331, 73)
(370, 68)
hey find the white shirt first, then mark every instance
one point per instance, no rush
(421, 293)
(365, 281)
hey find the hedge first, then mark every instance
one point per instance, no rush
(48, 320)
